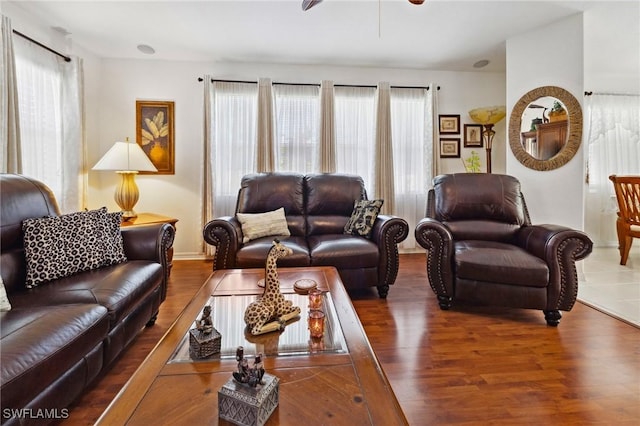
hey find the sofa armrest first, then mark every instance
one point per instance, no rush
(388, 231)
(560, 247)
(150, 242)
(225, 234)
(433, 236)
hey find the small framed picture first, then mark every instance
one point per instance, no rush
(473, 136)
(449, 147)
(154, 133)
(449, 124)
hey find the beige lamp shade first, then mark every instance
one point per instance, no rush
(125, 156)
(127, 159)
(488, 115)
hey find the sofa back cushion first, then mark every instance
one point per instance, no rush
(479, 206)
(330, 200)
(265, 192)
(22, 198)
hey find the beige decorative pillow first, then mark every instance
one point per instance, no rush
(4, 300)
(256, 225)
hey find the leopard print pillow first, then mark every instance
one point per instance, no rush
(60, 246)
(363, 217)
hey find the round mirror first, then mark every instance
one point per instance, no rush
(545, 128)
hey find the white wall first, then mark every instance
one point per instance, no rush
(121, 82)
(549, 56)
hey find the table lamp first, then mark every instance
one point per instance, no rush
(127, 159)
(488, 117)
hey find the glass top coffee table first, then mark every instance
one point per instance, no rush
(294, 340)
(338, 381)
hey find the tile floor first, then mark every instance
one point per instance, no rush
(610, 287)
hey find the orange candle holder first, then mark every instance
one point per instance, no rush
(316, 323)
(315, 300)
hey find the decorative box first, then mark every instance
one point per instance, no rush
(204, 345)
(246, 406)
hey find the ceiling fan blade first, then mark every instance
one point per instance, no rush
(308, 4)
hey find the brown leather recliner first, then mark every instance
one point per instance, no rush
(317, 207)
(482, 247)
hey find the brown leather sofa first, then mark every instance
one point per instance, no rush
(60, 335)
(317, 207)
(482, 247)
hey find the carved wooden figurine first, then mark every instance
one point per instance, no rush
(204, 324)
(246, 375)
(272, 310)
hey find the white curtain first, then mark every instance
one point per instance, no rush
(297, 128)
(232, 141)
(265, 149)
(208, 170)
(355, 126)
(435, 133)
(327, 128)
(384, 187)
(51, 122)
(412, 133)
(9, 111)
(613, 136)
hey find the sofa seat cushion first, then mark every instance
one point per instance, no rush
(496, 262)
(39, 345)
(254, 253)
(343, 251)
(119, 288)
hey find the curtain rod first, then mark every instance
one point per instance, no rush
(66, 58)
(610, 94)
(315, 84)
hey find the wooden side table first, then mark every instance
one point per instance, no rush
(149, 218)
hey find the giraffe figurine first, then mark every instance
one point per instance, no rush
(272, 310)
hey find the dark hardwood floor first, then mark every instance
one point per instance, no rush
(466, 366)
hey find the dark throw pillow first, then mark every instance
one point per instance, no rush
(363, 217)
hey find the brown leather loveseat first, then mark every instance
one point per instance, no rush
(59, 335)
(482, 247)
(317, 207)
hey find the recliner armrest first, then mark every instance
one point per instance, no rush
(546, 241)
(438, 241)
(560, 247)
(225, 234)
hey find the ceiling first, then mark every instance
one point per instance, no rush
(443, 35)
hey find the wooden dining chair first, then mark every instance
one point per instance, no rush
(628, 222)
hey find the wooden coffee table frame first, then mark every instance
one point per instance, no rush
(337, 388)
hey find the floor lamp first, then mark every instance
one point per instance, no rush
(126, 159)
(488, 117)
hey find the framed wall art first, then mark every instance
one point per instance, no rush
(473, 135)
(449, 147)
(449, 124)
(155, 134)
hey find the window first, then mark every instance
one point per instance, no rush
(355, 121)
(412, 141)
(297, 128)
(233, 144)
(49, 99)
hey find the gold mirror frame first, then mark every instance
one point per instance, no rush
(574, 134)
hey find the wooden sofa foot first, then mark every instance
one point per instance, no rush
(383, 290)
(552, 317)
(445, 302)
(152, 321)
